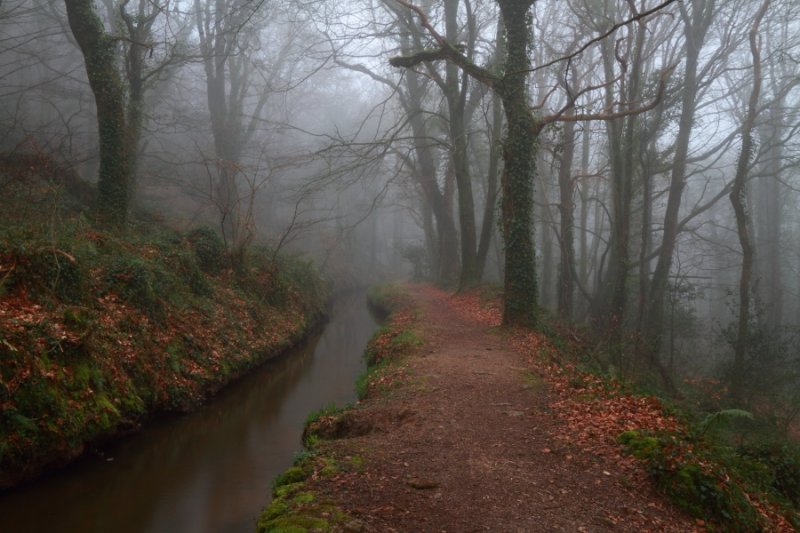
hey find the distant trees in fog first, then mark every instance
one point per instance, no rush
(582, 152)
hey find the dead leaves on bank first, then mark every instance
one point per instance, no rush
(594, 411)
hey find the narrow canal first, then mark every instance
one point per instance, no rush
(209, 471)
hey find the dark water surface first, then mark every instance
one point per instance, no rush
(209, 471)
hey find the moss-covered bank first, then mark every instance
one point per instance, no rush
(100, 330)
(296, 505)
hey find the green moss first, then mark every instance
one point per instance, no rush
(286, 490)
(639, 445)
(296, 524)
(133, 279)
(685, 474)
(132, 403)
(276, 508)
(105, 403)
(405, 340)
(356, 462)
(328, 410)
(330, 467)
(293, 474)
(174, 356)
(77, 318)
(303, 498)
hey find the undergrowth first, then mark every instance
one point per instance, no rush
(98, 329)
(728, 468)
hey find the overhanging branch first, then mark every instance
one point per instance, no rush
(445, 51)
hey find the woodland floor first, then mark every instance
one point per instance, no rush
(478, 436)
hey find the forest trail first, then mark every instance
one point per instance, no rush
(469, 441)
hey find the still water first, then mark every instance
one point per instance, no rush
(209, 471)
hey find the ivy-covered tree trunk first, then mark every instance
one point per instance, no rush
(519, 149)
(519, 152)
(100, 56)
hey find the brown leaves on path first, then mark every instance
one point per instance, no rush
(494, 438)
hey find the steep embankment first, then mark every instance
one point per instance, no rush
(100, 330)
(468, 427)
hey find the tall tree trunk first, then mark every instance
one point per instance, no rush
(495, 154)
(100, 54)
(456, 84)
(770, 216)
(490, 207)
(738, 201)
(583, 267)
(519, 151)
(139, 31)
(447, 236)
(546, 230)
(566, 209)
(696, 27)
(609, 309)
(519, 155)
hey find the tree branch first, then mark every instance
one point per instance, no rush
(602, 36)
(560, 117)
(445, 51)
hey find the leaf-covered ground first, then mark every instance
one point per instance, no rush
(99, 331)
(484, 429)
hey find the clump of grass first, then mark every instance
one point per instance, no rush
(297, 507)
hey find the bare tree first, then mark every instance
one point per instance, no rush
(228, 33)
(738, 201)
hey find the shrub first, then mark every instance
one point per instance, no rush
(782, 464)
(208, 249)
(694, 481)
(52, 270)
(133, 281)
(187, 267)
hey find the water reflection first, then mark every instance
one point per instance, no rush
(209, 471)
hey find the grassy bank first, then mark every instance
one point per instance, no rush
(296, 505)
(730, 469)
(99, 330)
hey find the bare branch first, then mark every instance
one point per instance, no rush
(446, 51)
(636, 17)
(560, 117)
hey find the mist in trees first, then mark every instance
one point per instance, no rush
(627, 166)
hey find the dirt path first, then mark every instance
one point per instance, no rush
(466, 443)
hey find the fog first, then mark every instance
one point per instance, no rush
(282, 123)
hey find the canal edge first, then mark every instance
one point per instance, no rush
(294, 504)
